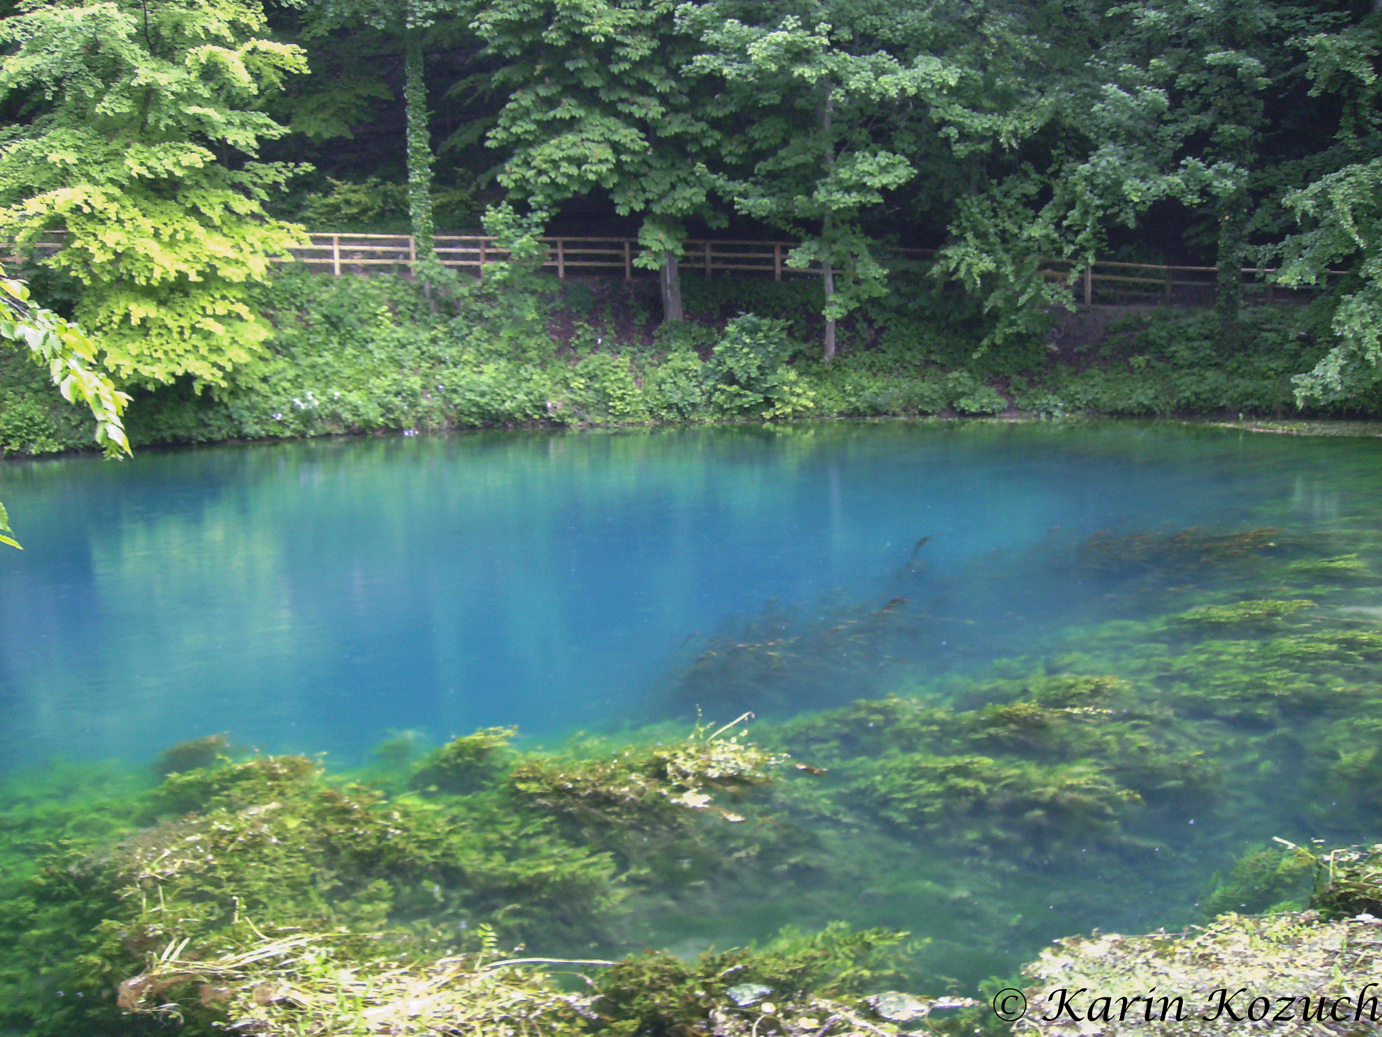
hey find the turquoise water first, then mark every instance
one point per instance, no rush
(321, 597)
(312, 597)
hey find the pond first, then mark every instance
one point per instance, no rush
(1122, 655)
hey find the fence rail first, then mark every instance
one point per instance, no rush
(353, 253)
(1101, 282)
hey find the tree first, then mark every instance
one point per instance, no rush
(1221, 65)
(140, 154)
(1341, 214)
(1009, 142)
(422, 21)
(600, 103)
(809, 162)
(71, 361)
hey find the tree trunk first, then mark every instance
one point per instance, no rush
(1228, 298)
(827, 258)
(828, 280)
(419, 160)
(669, 281)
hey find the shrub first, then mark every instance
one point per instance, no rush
(970, 397)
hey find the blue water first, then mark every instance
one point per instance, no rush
(314, 597)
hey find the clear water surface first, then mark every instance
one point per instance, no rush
(313, 597)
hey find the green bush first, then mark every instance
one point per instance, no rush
(968, 396)
(744, 367)
(602, 388)
(675, 389)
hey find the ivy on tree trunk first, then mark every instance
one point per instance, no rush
(419, 158)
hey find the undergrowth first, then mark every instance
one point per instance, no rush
(369, 354)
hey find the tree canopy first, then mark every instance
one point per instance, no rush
(1232, 133)
(137, 146)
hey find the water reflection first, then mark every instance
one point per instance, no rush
(311, 596)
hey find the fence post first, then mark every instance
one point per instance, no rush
(1168, 284)
(707, 260)
(1089, 285)
(561, 260)
(482, 259)
(336, 254)
(777, 261)
(412, 250)
(628, 262)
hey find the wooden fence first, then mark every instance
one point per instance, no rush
(355, 253)
(1101, 282)
(1104, 282)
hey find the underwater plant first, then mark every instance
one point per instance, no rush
(1022, 807)
(191, 755)
(466, 764)
(1268, 878)
(1241, 613)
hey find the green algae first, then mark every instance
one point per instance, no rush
(1267, 879)
(193, 754)
(466, 764)
(1242, 613)
(1343, 567)
(983, 802)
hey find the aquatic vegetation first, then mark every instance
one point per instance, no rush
(1180, 982)
(257, 781)
(869, 727)
(669, 812)
(313, 986)
(1352, 760)
(782, 659)
(305, 986)
(1270, 878)
(273, 846)
(466, 764)
(193, 754)
(1007, 804)
(1182, 551)
(650, 787)
(984, 803)
(1342, 567)
(1261, 681)
(1348, 882)
(397, 751)
(1072, 720)
(1242, 613)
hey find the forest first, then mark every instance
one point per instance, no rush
(178, 146)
